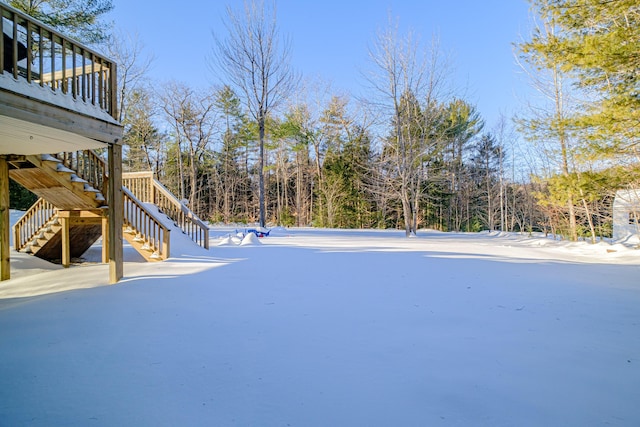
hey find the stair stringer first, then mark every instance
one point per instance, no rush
(47, 177)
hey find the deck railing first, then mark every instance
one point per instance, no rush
(140, 221)
(41, 56)
(31, 223)
(149, 190)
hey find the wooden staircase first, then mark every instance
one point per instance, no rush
(143, 230)
(144, 187)
(48, 177)
(64, 193)
(40, 230)
(72, 208)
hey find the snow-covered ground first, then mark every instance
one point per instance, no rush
(328, 328)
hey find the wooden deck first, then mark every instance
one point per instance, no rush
(59, 96)
(56, 93)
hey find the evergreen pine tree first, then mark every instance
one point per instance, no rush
(80, 19)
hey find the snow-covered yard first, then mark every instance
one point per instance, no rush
(329, 328)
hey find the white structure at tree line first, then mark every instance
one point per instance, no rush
(626, 216)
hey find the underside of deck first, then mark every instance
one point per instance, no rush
(34, 126)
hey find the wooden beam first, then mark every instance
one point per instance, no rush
(15, 158)
(90, 215)
(58, 117)
(116, 212)
(5, 266)
(78, 71)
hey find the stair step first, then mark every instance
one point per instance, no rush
(63, 169)
(49, 158)
(46, 233)
(77, 186)
(76, 178)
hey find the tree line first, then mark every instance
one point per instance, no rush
(265, 146)
(325, 166)
(411, 155)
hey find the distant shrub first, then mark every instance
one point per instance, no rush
(19, 197)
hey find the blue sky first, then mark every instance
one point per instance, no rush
(330, 40)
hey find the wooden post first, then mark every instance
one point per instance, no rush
(66, 244)
(151, 189)
(5, 266)
(105, 240)
(116, 212)
(166, 245)
(113, 92)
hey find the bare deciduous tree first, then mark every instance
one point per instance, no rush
(407, 80)
(192, 116)
(257, 67)
(126, 51)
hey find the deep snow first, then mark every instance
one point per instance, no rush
(329, 328)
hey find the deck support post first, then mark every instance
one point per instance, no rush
(116, 212)
(5, 266)
(105, 240)
(66, 243)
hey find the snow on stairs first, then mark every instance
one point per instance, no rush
(44, 236)
(144, 228)
(144, 248)
(79, 185)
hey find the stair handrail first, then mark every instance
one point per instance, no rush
(188, 222)
(143, 222)
(150, 190)
(30, 224)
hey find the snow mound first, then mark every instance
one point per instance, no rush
(230, 241)
(226, 241)
(250, 239)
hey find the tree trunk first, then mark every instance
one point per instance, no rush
(193, 177)
(406, 210)
(181, 173)
(587, 212)
(261, 126)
